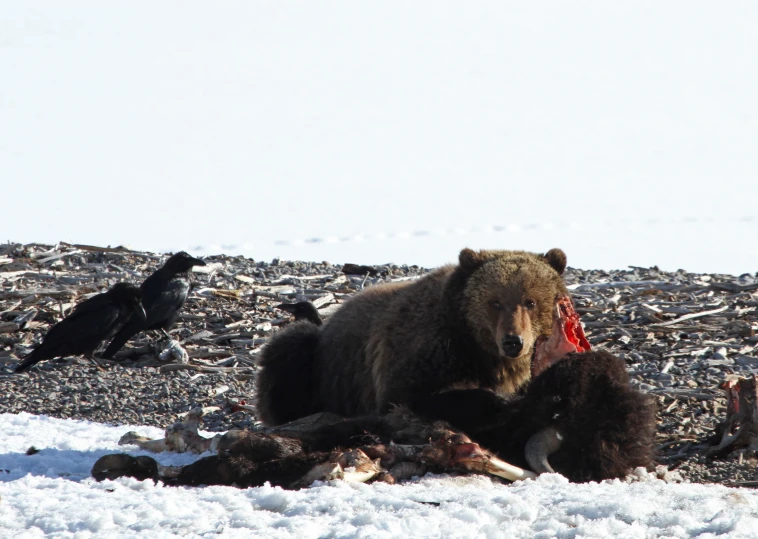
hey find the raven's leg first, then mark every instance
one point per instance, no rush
(155, 339)
(159, 335)
(91, 357)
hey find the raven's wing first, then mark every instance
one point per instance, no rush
(92, 304)
(84, 330)
(134, 325)
(79, 333)
(165, 307)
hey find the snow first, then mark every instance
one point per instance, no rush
(395, 131)
(374, 132)
(50, 493)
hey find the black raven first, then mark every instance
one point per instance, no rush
(356, 269)
(163, 294)
(304, 310)
(90, 323)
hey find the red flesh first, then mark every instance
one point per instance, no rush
(235, 406)
(567, 336)
(732, 389)
(572, 326)
(469, 456)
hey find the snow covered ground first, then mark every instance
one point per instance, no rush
(51, 493)
(396, 131)
(375, 132)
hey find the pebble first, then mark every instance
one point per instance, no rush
(719, 353)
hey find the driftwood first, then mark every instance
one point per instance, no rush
(617, 284)
(691, 316)
(204, 368)
(57, 256)
(95, 248)
(49, 292)
(9, 327)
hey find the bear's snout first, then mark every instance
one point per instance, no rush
(512, 345)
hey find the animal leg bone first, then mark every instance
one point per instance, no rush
(181, 437)
(473, 458)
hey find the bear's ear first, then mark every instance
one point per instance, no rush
(557, 259)
(469, 259)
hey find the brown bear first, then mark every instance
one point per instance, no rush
(474, 325)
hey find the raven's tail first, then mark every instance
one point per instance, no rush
(28, 362)
(130, 329)
(287, 385)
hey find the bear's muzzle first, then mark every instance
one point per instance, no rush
(511, 345)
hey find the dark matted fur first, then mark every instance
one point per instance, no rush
(394, 342)
(120, 465)
(288, 386)
(238, 470)
(608, 429)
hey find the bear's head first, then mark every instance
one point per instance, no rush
(509, 299)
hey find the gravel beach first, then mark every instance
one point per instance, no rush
(681, 335)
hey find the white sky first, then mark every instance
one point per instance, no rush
(624, 133)
(51, 494)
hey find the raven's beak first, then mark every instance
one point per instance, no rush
(197, 262)
(289, 307)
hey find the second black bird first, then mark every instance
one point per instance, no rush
(303, 310)
(163, 295)
(91, 322)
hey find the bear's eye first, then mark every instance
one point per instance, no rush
(529, 304)
(496, 305)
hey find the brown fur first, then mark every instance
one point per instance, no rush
(393, 343)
